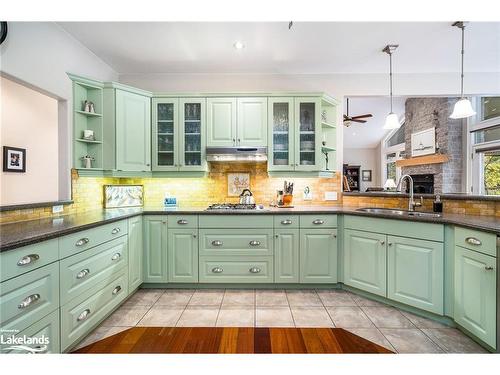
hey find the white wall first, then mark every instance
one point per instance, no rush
(40, 54)
(337, 85)
(367, 158)
(33, 127)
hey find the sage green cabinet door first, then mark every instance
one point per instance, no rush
(415, 273)
(135, 251)
(192, 134)
(155, 249)
(252, 122)
(133, 132)
(318, 256)
(365, 261)
(475, 294)
(221, 122)
(165, 138)
(183, 255)
(281, 135)
(307, 118)
(286, 256)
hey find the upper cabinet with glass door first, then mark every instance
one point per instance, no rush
(165, 137)
(192, 134)
(281, 134)
(308, 156)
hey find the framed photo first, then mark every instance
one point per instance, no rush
(366, 175)
(14, 159)
(236, 182)
(423, 142)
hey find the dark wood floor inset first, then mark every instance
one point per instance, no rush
(207, 340)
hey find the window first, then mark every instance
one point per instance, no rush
(490, 107)
(487, 135)
(397, 138)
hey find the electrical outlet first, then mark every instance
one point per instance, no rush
(308, 195)
(57, 209)
(330, 195)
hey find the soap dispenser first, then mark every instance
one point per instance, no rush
(437, 205)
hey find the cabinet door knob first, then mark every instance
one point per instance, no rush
(276, 235)
(489, 268)
(286, 222)
(254, 243)
(217, 270)
(318, 222)
(254, 270)
(217, 243)
(194, 236)
(82, 241)
(116, 256)
(116, 290)
(115, 230)
(84, 315)
(182, 222)
(147, 165)
(382, 242)
(28, 301)
(334, 235)
(82, 274)
(28, 259)
(473, 241)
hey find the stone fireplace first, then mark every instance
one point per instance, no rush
(425, 113)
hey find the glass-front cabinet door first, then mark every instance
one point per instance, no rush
(308, 132)
(165, 137)
(281, 150)
(192, 134)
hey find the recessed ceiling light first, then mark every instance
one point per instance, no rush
(239, 44)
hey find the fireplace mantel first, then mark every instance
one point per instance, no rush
(421, 160)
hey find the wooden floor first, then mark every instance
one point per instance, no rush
(233, 340)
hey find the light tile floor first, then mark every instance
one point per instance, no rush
(394, 329)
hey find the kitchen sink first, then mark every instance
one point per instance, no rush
(397, 212)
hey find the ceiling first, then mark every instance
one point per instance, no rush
(369, 134)
(270, 48)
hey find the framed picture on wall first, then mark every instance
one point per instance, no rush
(14, 159)
(423, 142)
(366, 175)
(236, 182)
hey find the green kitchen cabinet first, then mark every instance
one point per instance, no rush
(318, 256)
(281, 134)
(155, 249)
(415, 273)
(192, 134)
(165, 134)
(307, 119)
(365, 258)
(133, 131)
(135, 251)
(221, 122)
(251, 129)
(183, 255)
(475, 294)
(286, 255)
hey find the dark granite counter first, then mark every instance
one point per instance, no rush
(14, 235)
(395, 194)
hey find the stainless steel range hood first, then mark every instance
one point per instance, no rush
(237, 154)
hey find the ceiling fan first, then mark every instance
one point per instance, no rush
(348, 119)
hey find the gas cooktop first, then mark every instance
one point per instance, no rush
(234, 206)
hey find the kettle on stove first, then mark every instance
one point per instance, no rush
(246, 197)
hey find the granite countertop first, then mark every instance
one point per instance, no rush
(14, 235)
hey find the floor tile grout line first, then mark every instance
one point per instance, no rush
(324, 307)
(433, 341)
(290, 307)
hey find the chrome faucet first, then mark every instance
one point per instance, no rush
(411, 201)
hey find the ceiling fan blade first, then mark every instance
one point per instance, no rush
(363, 116)
(361, 121)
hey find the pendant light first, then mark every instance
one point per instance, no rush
(392, 120)
(463, 108)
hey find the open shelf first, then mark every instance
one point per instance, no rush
(88, 113)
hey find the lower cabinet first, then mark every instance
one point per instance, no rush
(415, 273)
(135, 246)
(475, 294)
(239, 269)
(318, 256)
(155, 249)
(286, 255)
(182, 255)
(365, 261)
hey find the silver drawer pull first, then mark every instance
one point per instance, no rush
(254, 270)
(28, 301)
(115, 230)
(28, 259)
(318, 222)
(84, 315)
(286, 222)
(473, 241)
(82, 274)
(182, 222)
(489, 268)
(116, 290)
(217, 270)
(116, 256)
(254, 243)
(82, 241)
(217, 243)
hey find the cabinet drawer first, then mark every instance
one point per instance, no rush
(236, 270)
(45, 336)
(318, 221)
(81, 315)
(476, 240)
(182, 221)
(85, 239)
(29, 297)
(86, 269)
(286, 221)
(16, 262)
(236, 242)
(236, 221)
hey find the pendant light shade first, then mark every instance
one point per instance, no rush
(463, 108)
(392, 120)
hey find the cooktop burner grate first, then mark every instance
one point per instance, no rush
(232, 206)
